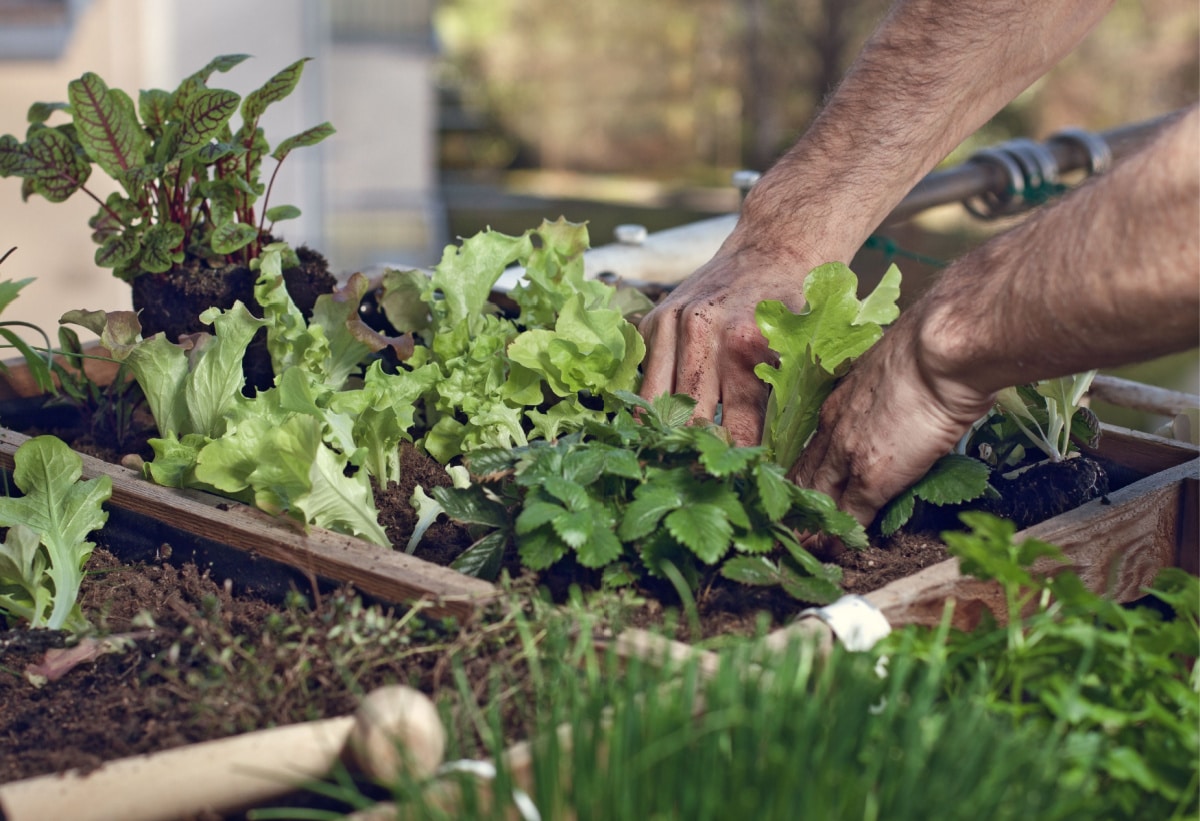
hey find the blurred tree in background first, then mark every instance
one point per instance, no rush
(694, 88)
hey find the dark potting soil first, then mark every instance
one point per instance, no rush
(171, 302)
(209, 664)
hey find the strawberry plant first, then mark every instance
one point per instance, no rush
(633, 496)
(190, 183)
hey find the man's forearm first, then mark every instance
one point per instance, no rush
(933, 73)
(1109, 276)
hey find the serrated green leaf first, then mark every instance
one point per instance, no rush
(722, 459)
(62, 509)
(585, 465)
(703, 528)
(814, 347)
(953, 479)
(601, 548)
(571, 494)
(23, 574)
(897, 512)
(540, 548)
(574, 527)
(214, 384)
(535, 514)
(774, 489)
(650, 504)
(754, 542)
(622, 463)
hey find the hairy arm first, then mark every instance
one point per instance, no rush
(934, 72)
(1108, 276)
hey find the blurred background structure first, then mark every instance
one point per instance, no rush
(456, 115)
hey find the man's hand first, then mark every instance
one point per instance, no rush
(702, 339)
(885, 425)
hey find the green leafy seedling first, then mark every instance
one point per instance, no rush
(42, 560)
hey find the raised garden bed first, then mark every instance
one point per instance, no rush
(1117, 543)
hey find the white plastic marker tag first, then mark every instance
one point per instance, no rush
(487, 770)
(856, 622)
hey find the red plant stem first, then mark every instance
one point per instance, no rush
(267, 197)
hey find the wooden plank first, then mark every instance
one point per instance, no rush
(1115, 546)
(1188, 555)
(1143, 453)
(1147, 398)
(390, 575)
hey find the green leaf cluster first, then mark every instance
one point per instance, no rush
(1120, 682)
(43, 555)
(306, 447)
(953, 479)
(630, 496)
(815, 348)
(506, 380)
(190, 183)
(310, 445)
(1046, 417)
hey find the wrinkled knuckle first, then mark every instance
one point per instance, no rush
(692, 321)
(746, 342)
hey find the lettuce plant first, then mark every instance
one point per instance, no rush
(42, 558)
(502, 380)
(310, 445)
(1046, 414)
(288, 450)
(190, 183)
(815, 347)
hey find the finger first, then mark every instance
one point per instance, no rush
(696, 377)
(743, 405)
(696, 373)
(658, 368)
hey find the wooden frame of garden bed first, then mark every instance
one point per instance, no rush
(206, 528)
